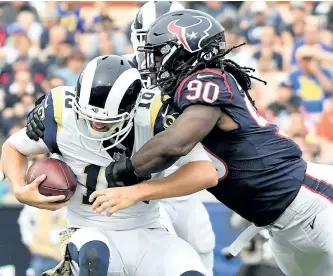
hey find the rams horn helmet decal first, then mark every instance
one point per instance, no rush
(188, 35)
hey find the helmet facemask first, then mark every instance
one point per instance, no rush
(146, 16)
(163, 62)
(138, 39)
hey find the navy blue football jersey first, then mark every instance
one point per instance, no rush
(264, 167)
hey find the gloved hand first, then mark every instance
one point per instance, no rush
(35, 126)
(121, 173)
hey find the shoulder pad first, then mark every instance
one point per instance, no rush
(56, 101)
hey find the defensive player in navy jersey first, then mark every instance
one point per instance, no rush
(267, 181)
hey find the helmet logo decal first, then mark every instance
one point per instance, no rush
(187, 36)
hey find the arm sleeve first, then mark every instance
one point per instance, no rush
(50, 109)
(198, 153)
(206, 87)
(25, 146)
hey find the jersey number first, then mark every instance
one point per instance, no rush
(92, 176)
(207, 91)
(69, 100)
(260, 120)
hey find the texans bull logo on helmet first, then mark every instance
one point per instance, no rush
(191, 36)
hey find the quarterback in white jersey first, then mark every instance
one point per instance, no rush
(186, 216)
(89, 127)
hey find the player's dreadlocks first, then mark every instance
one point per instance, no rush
(241, 74)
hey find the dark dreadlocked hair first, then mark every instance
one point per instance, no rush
(241, 74)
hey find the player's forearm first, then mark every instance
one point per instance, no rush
(14, 157)
(14, 165)
(157, 155)
(188, 179)
(176, 141)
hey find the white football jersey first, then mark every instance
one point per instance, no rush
(60, 136)
(89, 167)
(148, 117)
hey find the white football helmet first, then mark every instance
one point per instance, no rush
(147, 14)
(107, 95)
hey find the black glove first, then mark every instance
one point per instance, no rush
(121, 173)
(35, 125)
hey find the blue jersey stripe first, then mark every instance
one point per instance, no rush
(51, 126)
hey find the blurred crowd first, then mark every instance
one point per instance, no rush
(289, 44)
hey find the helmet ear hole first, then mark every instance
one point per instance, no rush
(130, 97)
(78, 85)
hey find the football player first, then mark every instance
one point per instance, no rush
(186, 215)
(268, 183)
(89, 126)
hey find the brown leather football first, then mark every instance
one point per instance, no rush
(60, 180)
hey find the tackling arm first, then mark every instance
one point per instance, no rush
(190, 178)
(196, 173)
(179, 139)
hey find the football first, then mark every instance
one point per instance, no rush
(60, 179)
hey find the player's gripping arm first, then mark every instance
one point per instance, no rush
(160, 152)
(196, 173)
(15, 152)
(201, 112)
(176, 141)
(19, 147)
(167, 147)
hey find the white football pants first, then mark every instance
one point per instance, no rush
(302, 238)
(189, 219)
(141, 252)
